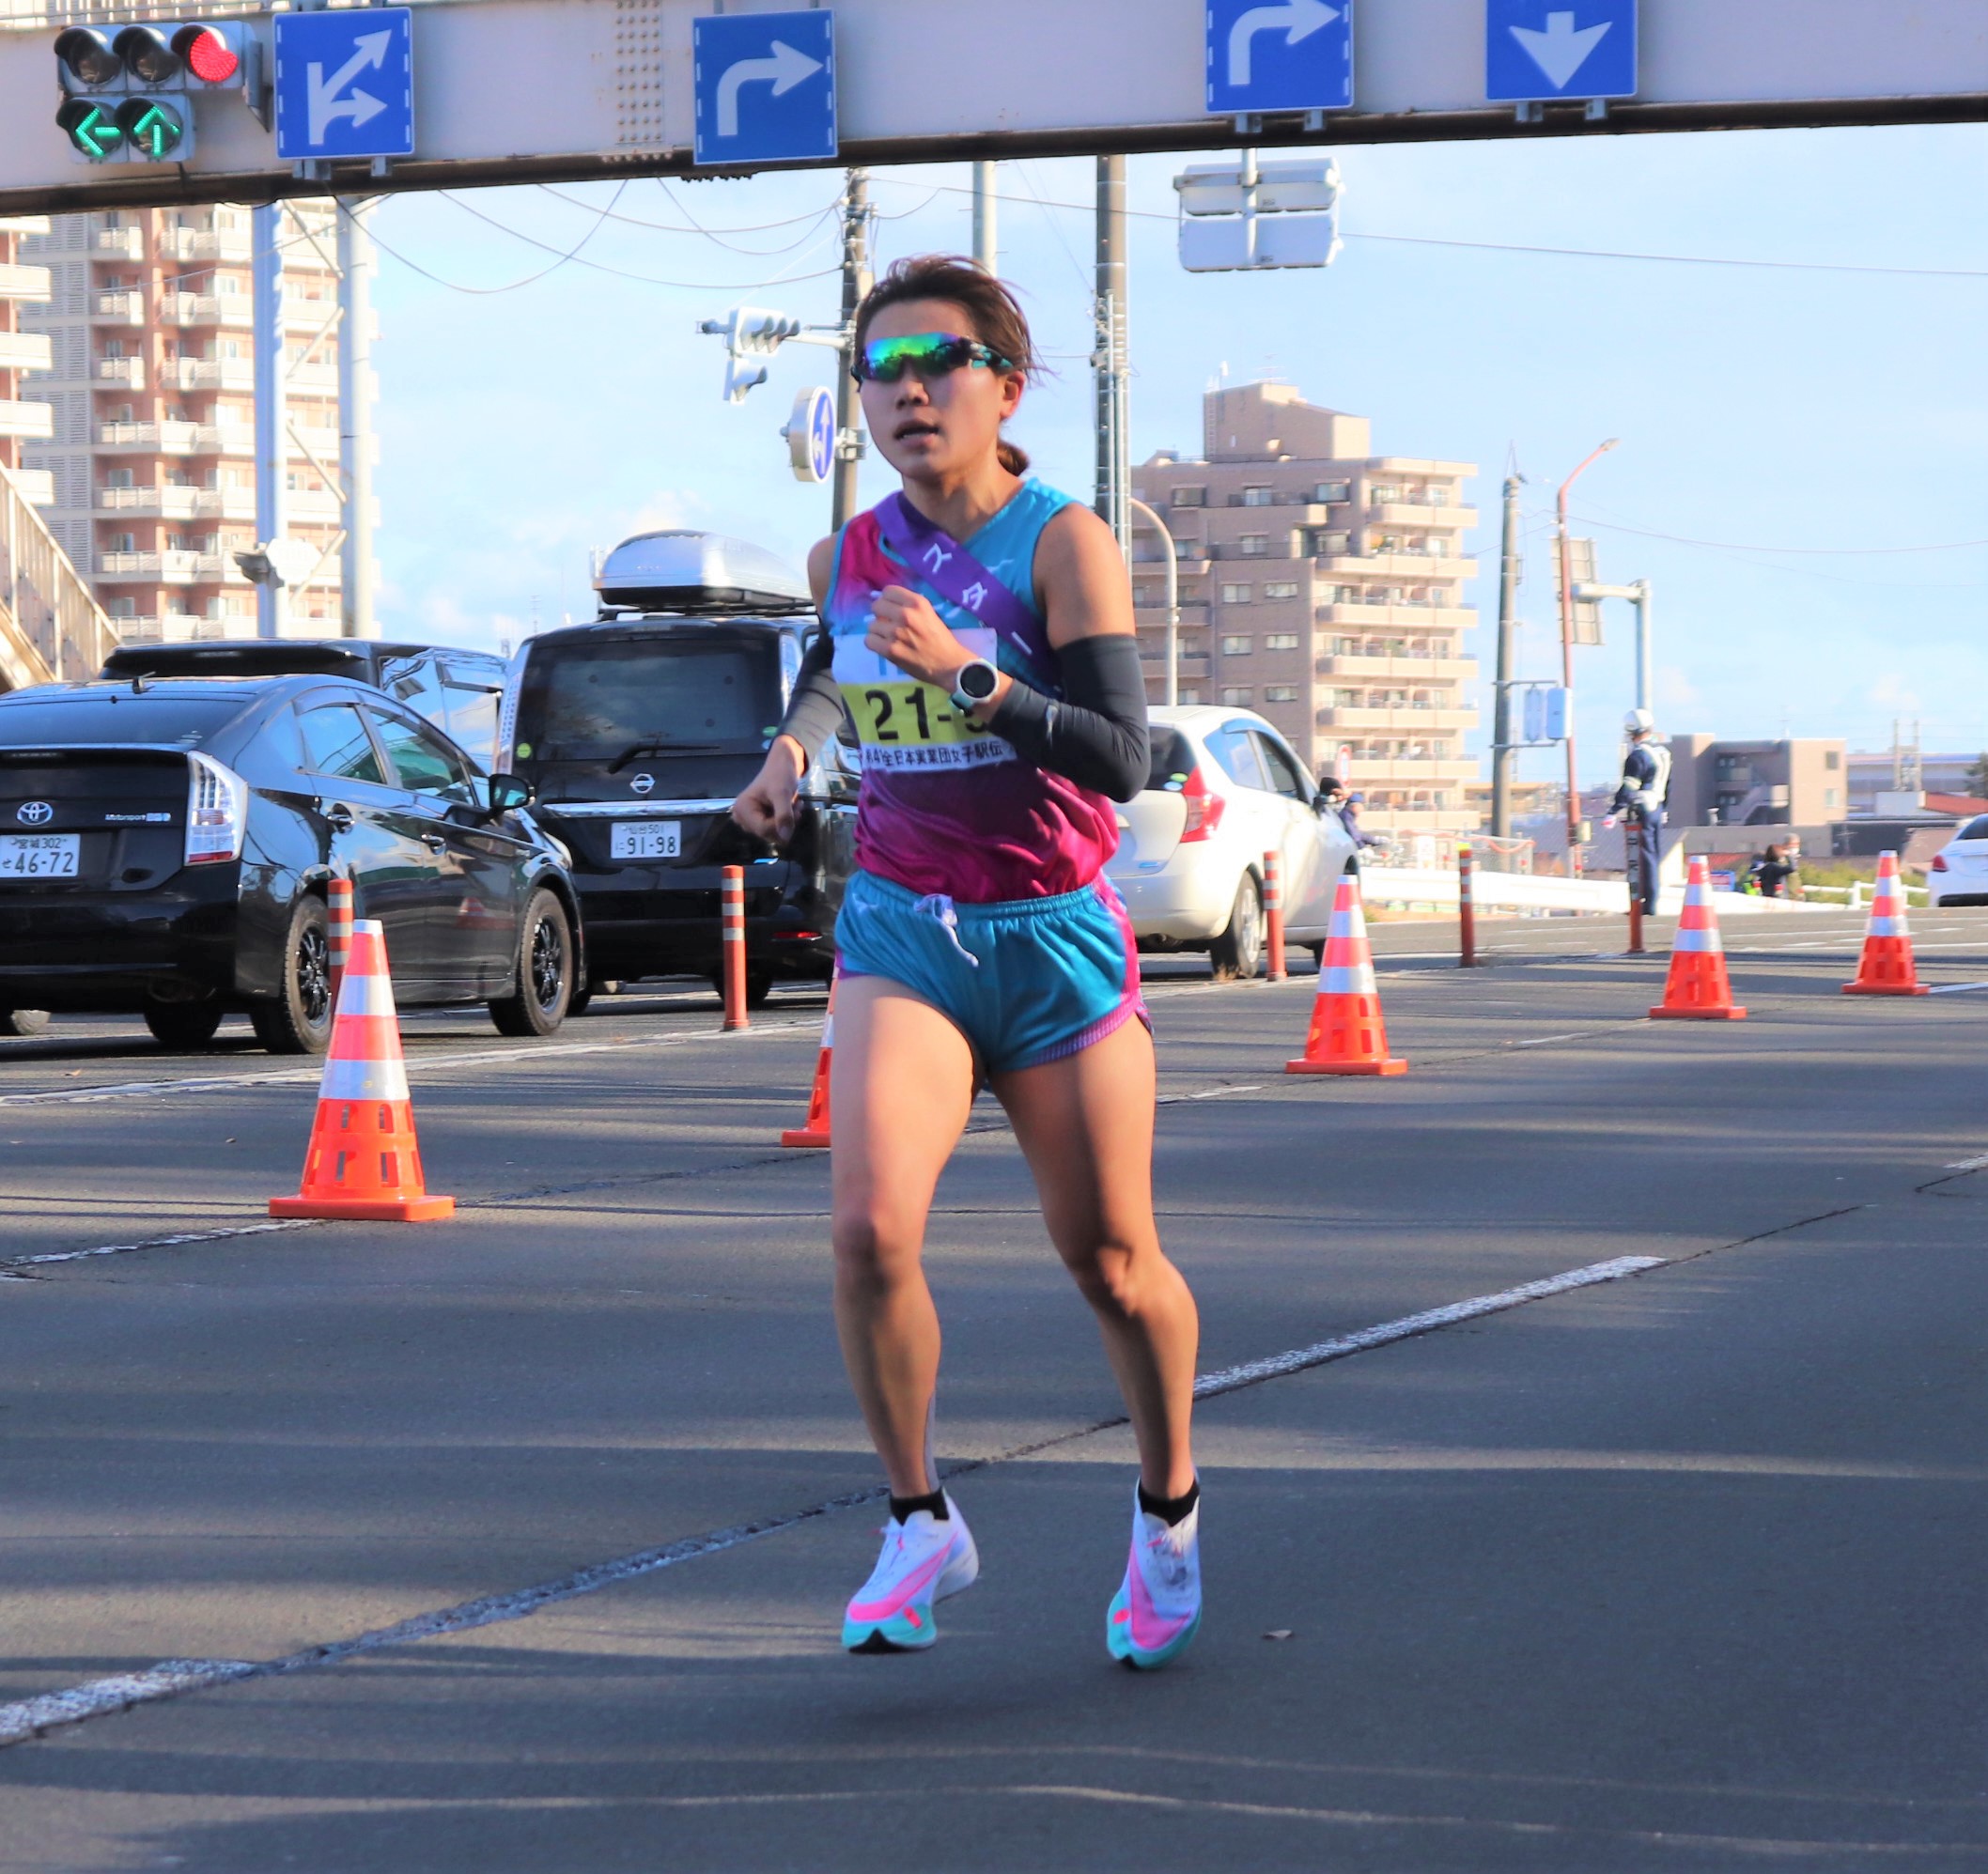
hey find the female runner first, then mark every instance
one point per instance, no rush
(979, 629)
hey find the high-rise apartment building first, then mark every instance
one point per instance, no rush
(150, 439)
(22, 352)
(1322, 586)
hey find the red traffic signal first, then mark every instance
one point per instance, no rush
(208, 54)
(163, 55)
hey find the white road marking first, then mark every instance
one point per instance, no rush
(420, 1067)
(97, 1698)
(157, 1243)
(1541, 1040)
(1968, 1164)
(1956, 989)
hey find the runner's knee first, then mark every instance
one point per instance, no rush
(871, 1255)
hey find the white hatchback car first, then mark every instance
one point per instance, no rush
(1958, 873)
(1225, 788)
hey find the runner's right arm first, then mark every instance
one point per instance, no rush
(814, 714)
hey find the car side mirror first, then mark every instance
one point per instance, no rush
(509, 792)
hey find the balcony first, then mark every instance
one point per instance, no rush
(37, 486)
(1419, 567)
(208, 374)
(1401, 720)
(177, 438)
(1403, 668)
(127, 565)
(29, 422)
(194, 309)
(1420, 514)
(26, 351)
(27, 225)
(199, 243)
(120, 243)
(119, 308)
(302, 313)
(1421, 614)
(20, 280)
(1404, 771)
(127, 373)
(314, 376)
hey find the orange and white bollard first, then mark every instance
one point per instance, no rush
(1466, 909)
(338, 941)
(731, 903)
(1885, 967)
(1274, 912)
(1698, 987)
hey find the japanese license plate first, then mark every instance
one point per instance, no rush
(40, 855)
(646, 838)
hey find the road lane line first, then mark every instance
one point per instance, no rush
(1956, 989)
(96, 1699)
(158, 1242)
(1967, 1164)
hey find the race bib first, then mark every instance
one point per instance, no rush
(904, 724)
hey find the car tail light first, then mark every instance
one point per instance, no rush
(1939, 862)
(216, 812)
(1204, 808)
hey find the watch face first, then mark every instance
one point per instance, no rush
(978, 681)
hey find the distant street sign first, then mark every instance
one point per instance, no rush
(811, 435)
(1537, 50)
(765, 88)
(344, 83)
(1239, 216)
(1287, 56)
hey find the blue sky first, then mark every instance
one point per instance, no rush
(1761, 410)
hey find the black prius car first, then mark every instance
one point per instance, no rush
(638, 731)
(165, 845)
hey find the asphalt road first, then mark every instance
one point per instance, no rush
(1676, 1570)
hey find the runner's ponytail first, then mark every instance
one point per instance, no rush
(1011, 456)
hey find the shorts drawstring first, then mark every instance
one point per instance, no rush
(937, 906)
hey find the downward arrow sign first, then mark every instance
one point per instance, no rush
(1560, 51)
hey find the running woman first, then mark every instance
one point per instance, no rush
(979, 629)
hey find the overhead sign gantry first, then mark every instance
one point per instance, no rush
(480, 92)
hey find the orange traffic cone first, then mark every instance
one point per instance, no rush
(363, 1161)
(1697, 988)
(815, 1128)
(1885, 968)
(1347, 1036)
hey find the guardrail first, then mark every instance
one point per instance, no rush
(1410, 886)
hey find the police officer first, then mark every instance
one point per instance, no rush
(1640, 800)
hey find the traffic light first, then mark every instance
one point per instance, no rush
(748, 332)
(128, 92)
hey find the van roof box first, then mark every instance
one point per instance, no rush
(678, 569)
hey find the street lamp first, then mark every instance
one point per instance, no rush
(1566, 653)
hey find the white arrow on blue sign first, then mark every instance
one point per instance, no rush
(1283, 55)
(344, 83)
(765, 87)
(1538, 50)
(811, 435)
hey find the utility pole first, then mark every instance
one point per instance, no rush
(1502, 753)
(1566, 654)
(986, 241)
(355, 416)
(855, 284)
(1115, 458)
(271, 429)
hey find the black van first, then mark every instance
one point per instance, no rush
(638, 731)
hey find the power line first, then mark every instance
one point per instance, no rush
(695, 227)
(1744, 547)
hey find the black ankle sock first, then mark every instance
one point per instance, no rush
(1169, 1510)
(904, 1507)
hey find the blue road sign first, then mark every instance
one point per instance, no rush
(1286, 55)
(765, 87)
(344, 83)
(821, 435)
(1536, 50)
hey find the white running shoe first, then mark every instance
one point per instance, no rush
(1156, 1610)
(924, 1561)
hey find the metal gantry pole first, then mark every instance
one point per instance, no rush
(1502, 752)
(1645, 688)
(855, 284)
(355, 416)
(272, 432)
(1563, 547)
(1140, 512)
(1114, 460)
(986, 208)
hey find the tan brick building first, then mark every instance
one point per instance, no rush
(1322, 586)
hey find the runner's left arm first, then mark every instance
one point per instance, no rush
(1096, 735)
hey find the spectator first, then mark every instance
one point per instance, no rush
(1773, 872)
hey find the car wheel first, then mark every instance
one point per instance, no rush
(22, 1021)
(545, 971)
(579, 1002)
(298, 1020)
(1237, 953)
(183, 1024)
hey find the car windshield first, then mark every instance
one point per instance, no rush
(116, 716)
(1173, 759)
(598, 702)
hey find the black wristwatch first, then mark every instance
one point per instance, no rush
(976, 685)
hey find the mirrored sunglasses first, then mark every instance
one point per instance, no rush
(931, 354)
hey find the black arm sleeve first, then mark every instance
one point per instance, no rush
(1096, 735)
(814, 712)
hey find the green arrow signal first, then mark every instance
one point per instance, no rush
(155, 130)
(91, 129)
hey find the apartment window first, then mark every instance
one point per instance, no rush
(227, 286)
(1832, 760)
(123, 543)
(1828, 797)
(1383, 495)
(1349, 699)
(117, 478)
(122, 607)
(1281, 641)
(1190, 696)
(1346, 594)
(1254, 546)
(1191, 497)
(1280, 589)
(1236, 647)
(1235, 594)
(1330, 491)
(1258, 497)
(1327, 546)
(1435, 497)
(1236, 697)
(1279, 692)
(1346, 647)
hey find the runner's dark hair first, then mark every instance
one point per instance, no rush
(998, 319)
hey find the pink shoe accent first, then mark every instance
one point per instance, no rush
(1152, 1632)
(907, 1589)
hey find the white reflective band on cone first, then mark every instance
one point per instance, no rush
(364, 1080)
(1356, 980)
(1699, 940)
(367, 994)
(1893, 927)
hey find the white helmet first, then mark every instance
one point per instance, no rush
(1638, 723)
